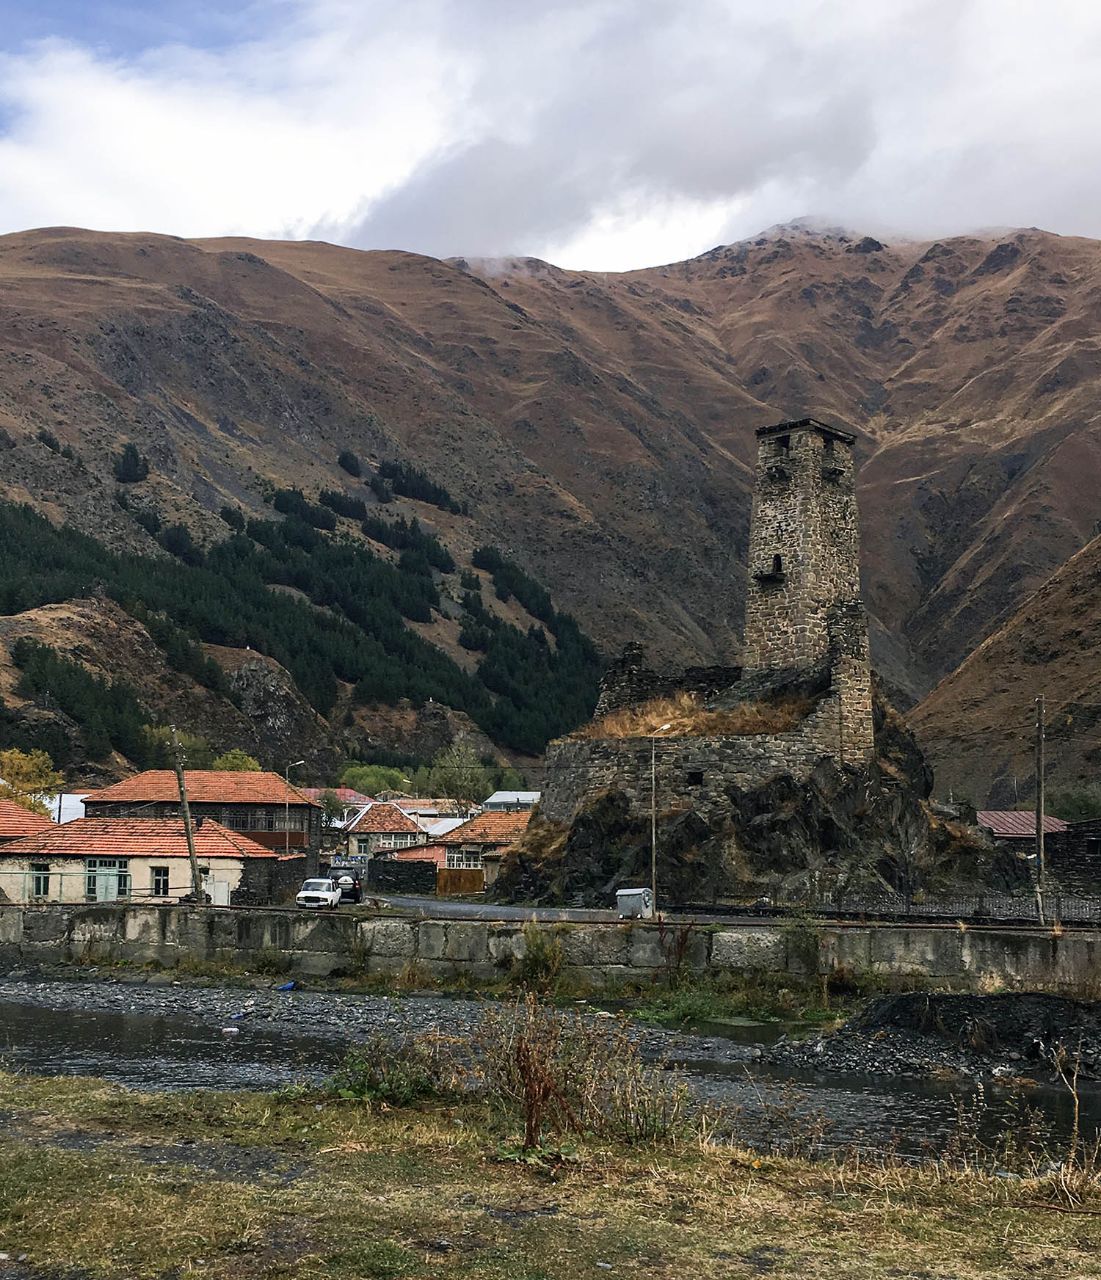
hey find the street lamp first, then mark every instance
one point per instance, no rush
(287, 806)
(654, 813)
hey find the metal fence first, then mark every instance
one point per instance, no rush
(1012, 908)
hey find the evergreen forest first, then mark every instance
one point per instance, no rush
(344, 621)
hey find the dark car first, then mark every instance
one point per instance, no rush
(350, 885)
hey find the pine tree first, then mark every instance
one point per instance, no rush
(130, 465)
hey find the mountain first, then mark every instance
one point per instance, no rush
(596, 426)
(978, 725)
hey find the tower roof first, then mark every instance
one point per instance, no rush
(808, 424)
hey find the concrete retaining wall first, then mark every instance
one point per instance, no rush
(347, 943)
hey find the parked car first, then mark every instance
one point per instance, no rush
(319, 894)
(351, 887)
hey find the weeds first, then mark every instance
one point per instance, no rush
(272, 963)
(685, 713)
(399, 1075)
(540, 966)
(563, 1074)
(674, 940)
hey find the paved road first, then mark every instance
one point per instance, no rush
(439, 908)
(444, 908)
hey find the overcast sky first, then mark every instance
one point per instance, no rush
(595, 133)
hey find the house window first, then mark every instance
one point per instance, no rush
(40, 879)
(464, 859)
(106, 879)
(160, 881)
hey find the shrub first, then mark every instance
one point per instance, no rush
(271, 962)
(412, 1070)
(563, 1074)
(539, 968)
(234, 517)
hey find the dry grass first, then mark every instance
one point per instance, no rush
(361, 1191)
(686, 716)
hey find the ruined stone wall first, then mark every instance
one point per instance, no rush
(628, 683)
(692, 772)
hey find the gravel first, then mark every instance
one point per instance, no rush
(341, 1016)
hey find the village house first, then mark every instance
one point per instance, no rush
(480, 842)
(382, 829)
(143, 860)
(1016, 828)
(262, 806)
(16, 823)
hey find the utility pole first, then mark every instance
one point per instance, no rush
(287, 806)
(1041, 869)
(654, 815)
(196, 874)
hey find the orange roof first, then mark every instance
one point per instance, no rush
(136, 838)
(204, 786)
(16, 822)
(490, 828)
(384, 818)
(422, 853)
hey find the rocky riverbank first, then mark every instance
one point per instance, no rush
(922, 1034)
(344, 1016)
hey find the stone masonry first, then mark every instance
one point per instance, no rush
(806, 633)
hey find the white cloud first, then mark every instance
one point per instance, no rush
(600, 133)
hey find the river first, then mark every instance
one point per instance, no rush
(179, 1038)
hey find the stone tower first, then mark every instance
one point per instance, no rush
(804, 614)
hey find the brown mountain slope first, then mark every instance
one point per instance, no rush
(978, 724)
(598, 425)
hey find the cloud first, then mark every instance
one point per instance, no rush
(599, 133)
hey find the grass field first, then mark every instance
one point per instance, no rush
(98, 1181)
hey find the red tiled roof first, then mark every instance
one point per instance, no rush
(1019, 823)
(490, 828)
(17, 822)
(384, 818)
(436, 853)
(136, 838)
(444, 806)
(345, 795)
(204, 786)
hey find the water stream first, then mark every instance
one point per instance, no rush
(174, 1051)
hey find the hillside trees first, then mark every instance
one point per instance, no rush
(108, 712)
(236, 761)
(27, 777)
(343, 619)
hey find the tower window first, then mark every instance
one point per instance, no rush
(695, 778)
(783, 445)
(773, 574)
(827, 447)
